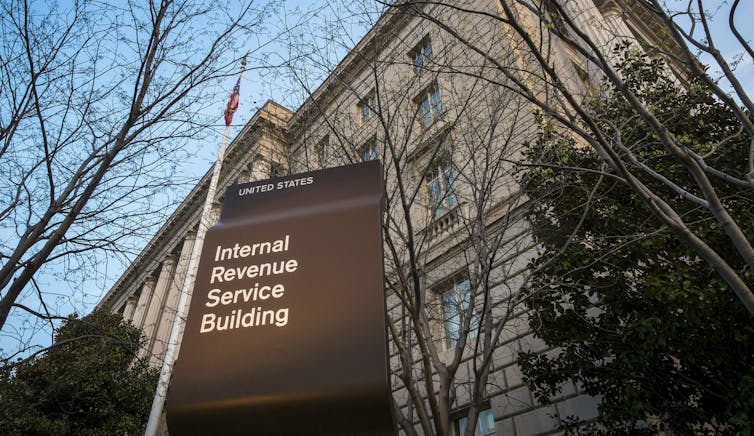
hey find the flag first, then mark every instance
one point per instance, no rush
(232, 103)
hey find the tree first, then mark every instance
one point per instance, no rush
(528, 60)
(98, 100)
(540, 30)
(639, 318)
(454, 229)
(88, 382)
(534, 54)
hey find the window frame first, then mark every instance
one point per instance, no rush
(370, 150)
(320, 150)
(421, 55)
(451, 316)
(486, 413)
(441, 183)
(429, 106)
(367, 107)
(277, 169)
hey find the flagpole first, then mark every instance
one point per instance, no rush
(176, 332)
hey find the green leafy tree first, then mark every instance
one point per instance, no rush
(87, 383)
(635, 316)
(540, 30)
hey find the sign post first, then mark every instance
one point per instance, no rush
(286, 330)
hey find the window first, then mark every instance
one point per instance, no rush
(276, 169)
(320, 150)
(456, 299)
(370, 151)
(421, 55)
(485, 423)
(441, 181)
(367, 106)
(429, 105)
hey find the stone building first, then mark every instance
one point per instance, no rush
(416, 94)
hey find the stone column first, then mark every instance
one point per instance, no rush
(217, 207)
(588, 19)
(157, 302)
(143, 303)
(128, 312)
(616, 25)
(171, 301)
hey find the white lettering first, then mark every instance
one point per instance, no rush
(222, 274)
(208, 323)
(217, 273)
(238, 318)
(212, 295)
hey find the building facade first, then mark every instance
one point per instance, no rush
(427, 91)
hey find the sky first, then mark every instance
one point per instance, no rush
(727, 44)
(313, 27)
(267, 78)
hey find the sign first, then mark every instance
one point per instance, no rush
(286, 332)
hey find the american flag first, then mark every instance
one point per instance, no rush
(232, 103)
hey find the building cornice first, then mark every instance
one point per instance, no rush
(186, 216)
(353, 63)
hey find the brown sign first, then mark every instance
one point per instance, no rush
(286, 330)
